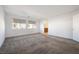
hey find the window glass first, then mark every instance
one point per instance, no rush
(18, 24)
(31, 24)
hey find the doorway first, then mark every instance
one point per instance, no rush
(46, 27)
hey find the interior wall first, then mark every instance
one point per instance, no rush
(61, 26)
(2, 26)
(42, 26)
(10, 32)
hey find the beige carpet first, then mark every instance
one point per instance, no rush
(39, 44)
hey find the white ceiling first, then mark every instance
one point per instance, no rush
(47, 11)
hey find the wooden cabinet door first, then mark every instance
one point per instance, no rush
(45, 30)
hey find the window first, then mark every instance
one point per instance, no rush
(31, 24)
(18, 24)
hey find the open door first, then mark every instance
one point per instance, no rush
(46, 28)
(76, 27)
(2, 26)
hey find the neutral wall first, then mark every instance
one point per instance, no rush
(61, 26)
(2, 26)
(42, 26)
(10, 32)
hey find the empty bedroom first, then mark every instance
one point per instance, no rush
(39, 29)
